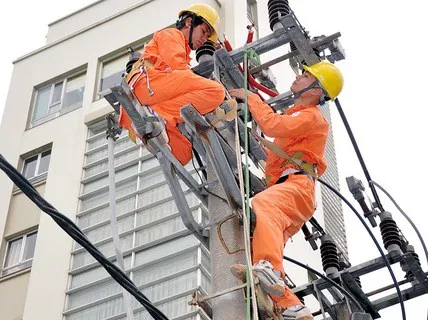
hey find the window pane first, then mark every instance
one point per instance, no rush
(73, 95)
(29, 170)
(30, 244)
(114, 66)
(112, 72)
(111, 81)
(44, 162)
(57, 92)
(13, 252)
(42, 103)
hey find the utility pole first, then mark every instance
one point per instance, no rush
(231, 305)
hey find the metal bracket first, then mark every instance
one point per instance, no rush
(296, 35)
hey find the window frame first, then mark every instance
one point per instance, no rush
(137, 46)
(51, 85)
(252, 16)
(37, 176)
(21, 263)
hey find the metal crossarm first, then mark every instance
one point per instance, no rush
(296, 35)
(352, 286)
(215, 155)
(274, 40)
(122, 96)
(256, 151)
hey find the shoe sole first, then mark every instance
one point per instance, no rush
(275, 290)
(265, 305)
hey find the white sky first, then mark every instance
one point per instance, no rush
(383, 98)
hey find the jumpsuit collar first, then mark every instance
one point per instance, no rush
(188, 50)
(293, 109)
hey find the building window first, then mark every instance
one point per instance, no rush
(19, 253)
(113, 67)
(58, 98)
(37, 165)
(112, 71)
(252, 16)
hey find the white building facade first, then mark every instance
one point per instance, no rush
(54, 117)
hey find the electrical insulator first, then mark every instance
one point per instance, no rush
(205, 52)
(329, 255)
(390, 234)
(275, 7)
(133, 57)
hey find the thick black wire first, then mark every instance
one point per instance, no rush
(334, 284)
(388, 265)
(68, 226)
(405, 216)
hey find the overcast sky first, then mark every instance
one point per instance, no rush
(384, 99)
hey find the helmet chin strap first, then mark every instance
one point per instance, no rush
(191, 32)
(324, 97)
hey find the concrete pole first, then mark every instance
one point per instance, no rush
(231, 305)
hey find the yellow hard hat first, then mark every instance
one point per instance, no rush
(328, 75)
(206, 13)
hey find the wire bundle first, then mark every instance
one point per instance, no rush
(71, 228)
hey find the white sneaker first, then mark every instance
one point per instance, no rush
(270, 281)
(297, 313)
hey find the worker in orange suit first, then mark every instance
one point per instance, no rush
(168, 83)
(289, 199)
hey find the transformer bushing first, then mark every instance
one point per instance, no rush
(390, 233)
(205, 52)
(277, 8)
(329, 255)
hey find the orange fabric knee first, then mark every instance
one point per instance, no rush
(181, 147)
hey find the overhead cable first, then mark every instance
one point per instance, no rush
(68, 226)
(405, 216)
(388, 265)
(334, 284)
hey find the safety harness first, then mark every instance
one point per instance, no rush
(295, 159)
(138, 68)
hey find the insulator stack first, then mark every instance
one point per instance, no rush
(409, 249)
(275, 7)
(390, 234)
(205, 52)
(409, 274)
(329, 255)
(133, 57)
(358, 281)
(292, 46)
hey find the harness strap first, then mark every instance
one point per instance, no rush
(138, 68)
(295, 159)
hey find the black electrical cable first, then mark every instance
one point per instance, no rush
(405, 216)
(388, 265)
(334, 284)
(68, 226)
(358, 152)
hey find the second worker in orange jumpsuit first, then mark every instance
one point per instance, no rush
(289, 200)
(166, 59)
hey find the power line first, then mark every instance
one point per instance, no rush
(388, 265)
(68, 226)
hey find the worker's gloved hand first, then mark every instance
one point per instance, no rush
(239, 94)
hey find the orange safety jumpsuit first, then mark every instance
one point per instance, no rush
(282, 208)
(174, 85)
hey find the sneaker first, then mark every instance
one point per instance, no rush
(271, 282)
(297, 313)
